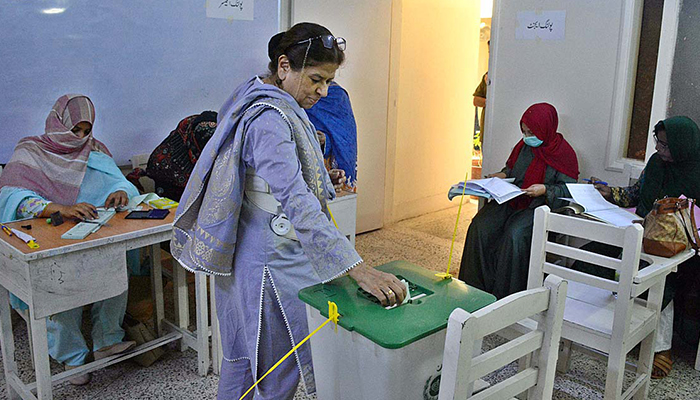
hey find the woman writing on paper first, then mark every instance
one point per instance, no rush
(67, 170)
(497, 249)
(672, 171)
(254, 213)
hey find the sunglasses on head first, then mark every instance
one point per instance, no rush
(327, 41)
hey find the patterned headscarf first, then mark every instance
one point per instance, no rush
(206, 224)
(53, 165)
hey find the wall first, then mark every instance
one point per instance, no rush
(685, 78)
(365, 75)
(145, 65)
(434, 73)
(588, 77)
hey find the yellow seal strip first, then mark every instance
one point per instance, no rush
(332, 316)
(447, 275)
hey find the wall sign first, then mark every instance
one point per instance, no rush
(544, 25)
(230, 9)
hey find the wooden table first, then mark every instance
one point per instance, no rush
(65, 274)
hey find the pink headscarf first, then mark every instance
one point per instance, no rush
(53, 165)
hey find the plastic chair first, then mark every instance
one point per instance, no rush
(602, 314)
(461, 369)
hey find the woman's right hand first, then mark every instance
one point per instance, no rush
(386, 287)
(604, 190)
(79, 211)
(501, 175)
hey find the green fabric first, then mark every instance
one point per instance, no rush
(403, 325)
(496, 252)
(682, 176)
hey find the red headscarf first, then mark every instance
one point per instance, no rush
(555, 151)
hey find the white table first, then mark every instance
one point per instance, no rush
(65, 274)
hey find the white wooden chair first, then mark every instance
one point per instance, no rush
(461, 369)
(605, 315)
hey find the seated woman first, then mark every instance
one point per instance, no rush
(67, 170)
(335, 124)
(672, 171)
(172, 162)
(497, 250)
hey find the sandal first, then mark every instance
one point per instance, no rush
(662, 365)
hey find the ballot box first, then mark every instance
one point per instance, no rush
(379, 353)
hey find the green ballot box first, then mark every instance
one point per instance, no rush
(380, 353)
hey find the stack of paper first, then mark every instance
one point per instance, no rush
(595, 205)
(491, 188)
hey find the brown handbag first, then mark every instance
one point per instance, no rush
(670, 227)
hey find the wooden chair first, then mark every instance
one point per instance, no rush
(461, 369)
(602, 314)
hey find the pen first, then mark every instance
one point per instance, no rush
(601, 182)
(6, 229)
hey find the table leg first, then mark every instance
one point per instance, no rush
(182, 308)
(41, 358)
(7, 342)
(202, 323)
(216, 354)
(157, 283)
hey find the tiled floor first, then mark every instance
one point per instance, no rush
(424, 241)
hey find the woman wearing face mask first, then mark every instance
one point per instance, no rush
(261, 172)
(672, 171)
(67, 170)
(497, 249)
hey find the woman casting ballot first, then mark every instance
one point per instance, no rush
(262, 171)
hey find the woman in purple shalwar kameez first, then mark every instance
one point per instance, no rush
(262, 170)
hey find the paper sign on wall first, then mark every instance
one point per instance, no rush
(544, 25)
(230, 9)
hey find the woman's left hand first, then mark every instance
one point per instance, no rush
(117, 199)
(338, 178)
(536, 190)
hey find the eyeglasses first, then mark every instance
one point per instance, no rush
(659, 142)
(327, 41)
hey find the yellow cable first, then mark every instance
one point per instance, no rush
(332, 316)
(447, 275)
(332, 217)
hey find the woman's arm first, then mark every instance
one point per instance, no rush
(628, 196)
(38, 207)
(556, 190)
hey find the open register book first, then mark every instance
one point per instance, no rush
(498, 189)
(588, 201)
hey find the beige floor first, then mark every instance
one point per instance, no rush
(424, 241)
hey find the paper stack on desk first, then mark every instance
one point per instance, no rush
(499, 189)
(89, 226)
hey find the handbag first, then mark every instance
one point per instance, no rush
(137, 331)
(670, 227)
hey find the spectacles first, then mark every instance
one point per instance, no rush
(327, 41)
(659, 142)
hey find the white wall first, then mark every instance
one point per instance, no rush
(145, 66)
(588, 77)
(366, 25)
(433, 75)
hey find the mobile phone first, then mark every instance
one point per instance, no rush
(148, 214)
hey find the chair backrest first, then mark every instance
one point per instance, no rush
(629, 239)
(461, 367)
